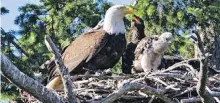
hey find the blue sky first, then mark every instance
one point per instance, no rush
(7, 21)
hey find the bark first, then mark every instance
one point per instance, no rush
(201, 85)
(26, 83)
(215, 61)
(68, 85)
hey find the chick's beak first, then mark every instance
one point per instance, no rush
(136, 20)
(128, 10)
(169, 40)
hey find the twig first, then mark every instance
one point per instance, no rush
(158, 80)
(145, 95)
(103, 77)
(189, 89)
(214, 93)
(68, 85)
(188, 100)
(136, 86)
(172, 86)
(151, 100)
(170, 75)
(176, 66)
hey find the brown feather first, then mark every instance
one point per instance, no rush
(135, 36)
(92, 50)
(82, 48)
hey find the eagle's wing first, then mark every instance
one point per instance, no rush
(84, 48)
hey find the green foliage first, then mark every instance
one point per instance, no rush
(4, 11)
(117, 67)
(174, 16)
(6, 97)
(64, 20)
(57, 18)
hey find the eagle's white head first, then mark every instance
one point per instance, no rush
(162, 44)
(113, 22)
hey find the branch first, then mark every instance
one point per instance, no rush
(18, 47)
(201, 85)
(188, 100)
(136, 86)
(28, 84)
(68, 85)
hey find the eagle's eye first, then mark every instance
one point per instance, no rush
(120, 8)
(156, 38)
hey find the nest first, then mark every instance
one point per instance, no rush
(175, 84)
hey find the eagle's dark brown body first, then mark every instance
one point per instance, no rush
(107, 57)
(111, 53)
(137, 33)
(99, 51)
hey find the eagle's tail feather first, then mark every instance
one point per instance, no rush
(56, 83)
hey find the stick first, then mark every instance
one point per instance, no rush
(193, 99)
(176, 66)
(68, 85)
(136, 86)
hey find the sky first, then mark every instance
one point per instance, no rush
(7, 21)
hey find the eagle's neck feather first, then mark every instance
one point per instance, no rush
(114, 25)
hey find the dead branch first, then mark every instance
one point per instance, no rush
(26, 83)
(136, 86)
(188, 100)
(68, 85)
(176, 66)
(103, 77)
(201, 85)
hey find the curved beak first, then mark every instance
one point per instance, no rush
(128, 10)
(136, 20)
(169, 40)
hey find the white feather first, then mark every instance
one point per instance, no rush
(150, 59)
(113, 22)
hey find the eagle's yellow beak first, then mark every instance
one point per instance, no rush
(128, 10)
(135, 19)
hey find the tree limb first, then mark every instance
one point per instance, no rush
(28, 84)
(201, 85)
(67, 82)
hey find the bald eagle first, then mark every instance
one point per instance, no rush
(137, 33)
(96, 49)
(149, 52)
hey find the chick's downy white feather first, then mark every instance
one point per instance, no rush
(150, 51)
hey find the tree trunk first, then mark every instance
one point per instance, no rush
(215, 60)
